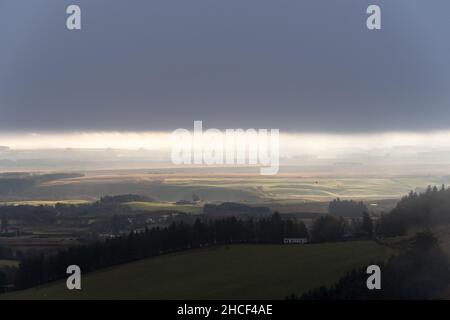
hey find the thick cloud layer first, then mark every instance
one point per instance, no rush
(306, 66)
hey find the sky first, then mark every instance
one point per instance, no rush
(296, 65)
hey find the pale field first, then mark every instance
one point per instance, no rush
(295, 186)
(157, 206)
(255, 188)
(51, 203)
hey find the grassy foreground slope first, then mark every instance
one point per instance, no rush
(229, 272)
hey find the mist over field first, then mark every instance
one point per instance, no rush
(401, 152)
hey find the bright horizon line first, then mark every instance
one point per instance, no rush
(157, 140)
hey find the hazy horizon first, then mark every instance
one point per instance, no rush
(122, 150)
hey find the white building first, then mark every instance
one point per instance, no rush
(295, 240)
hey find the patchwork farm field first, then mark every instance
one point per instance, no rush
(174, 186)
(227, 272)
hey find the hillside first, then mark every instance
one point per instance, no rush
(229, 272)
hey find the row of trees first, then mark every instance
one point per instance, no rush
(346, 208)
(176, 237)
(50, 215)
(329, 228)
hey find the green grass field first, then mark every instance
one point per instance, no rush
(231, 272)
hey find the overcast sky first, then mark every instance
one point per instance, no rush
(156, 65)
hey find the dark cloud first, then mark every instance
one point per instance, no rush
(307, 65)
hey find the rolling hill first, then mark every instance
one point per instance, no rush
(227, 272)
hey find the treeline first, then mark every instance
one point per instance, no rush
(421, 272)
(228, 209)
(153, 242)
(6, 253)
(423, 210)
(346, 208)
(44, 214)
(330, 228)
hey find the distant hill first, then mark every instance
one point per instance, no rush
(228, 209)
(16, 184)
(346, 208)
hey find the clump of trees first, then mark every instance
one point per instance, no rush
(227, 209)
(367, 227)
(423, 210)
(107, 206)
(330, 228)
(346, 208)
